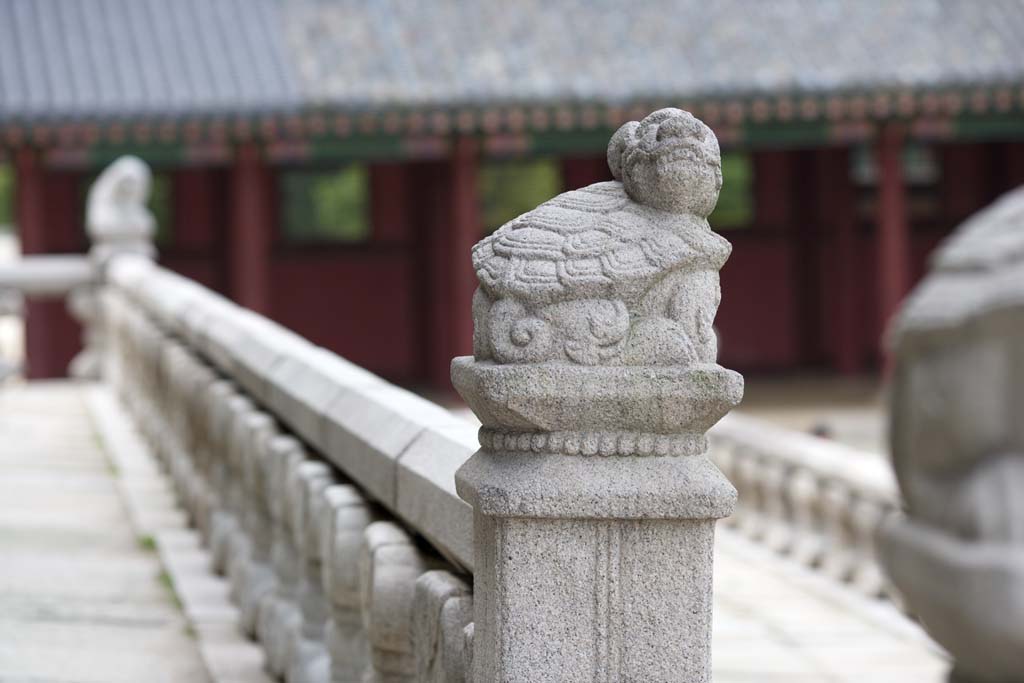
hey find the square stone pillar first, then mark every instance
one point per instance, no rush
(594, 376)
(593, 569)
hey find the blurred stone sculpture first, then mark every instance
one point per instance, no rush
(118, 222)
(593, 337)
(117, 218)
(957, 442)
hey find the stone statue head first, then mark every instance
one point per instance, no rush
(669, 160)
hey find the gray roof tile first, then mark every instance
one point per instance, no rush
(74, 59)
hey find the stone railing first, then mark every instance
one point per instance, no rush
(47, 276)
(72, 277)
(370, 535)
(118, 222)
(816, 501)
(325, 494)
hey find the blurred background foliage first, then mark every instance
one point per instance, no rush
(325, 205)
(6, 197)
(513, 187)
(735, 208)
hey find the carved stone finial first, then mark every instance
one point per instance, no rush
(600, 288)
(593, 337)
(117, 218)
(957, 442)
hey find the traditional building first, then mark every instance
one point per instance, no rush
(330, 164)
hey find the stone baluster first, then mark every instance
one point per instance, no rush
(866, 516)
(389, 565)
(203, 382)
(83, 306)
(212, 464)
(837, 561)
(349, 515)
(176, 438)
(146, 337)
(118, 222)
(310, 662)
(200, 381)
(442, 609)
(594, 376)
(256, 578)
(239, 545)
(808, 539)
(225, 529)
(280, 618)
(777, 532)
(748, 512)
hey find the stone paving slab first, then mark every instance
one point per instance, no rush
(80, 599)
(775, 620)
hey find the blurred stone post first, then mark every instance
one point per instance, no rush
(595, 379)
(957, 443)
(117, 221)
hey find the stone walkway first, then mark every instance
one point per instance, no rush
(82, 599)
(776, 621)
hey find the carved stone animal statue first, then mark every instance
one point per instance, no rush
(617, 273)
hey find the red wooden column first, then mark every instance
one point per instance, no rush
(838, 207)
(47, 216)
(892, 239)
(807, 232)
(30, 218)
(1014, 164)
(250, 230)
(30, 211)
(452, 280)
(773, 188)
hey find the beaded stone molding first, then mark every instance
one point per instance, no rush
(592, 443)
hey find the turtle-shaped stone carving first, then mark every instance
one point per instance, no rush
(618, 273)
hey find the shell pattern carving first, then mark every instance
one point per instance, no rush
(618, 273)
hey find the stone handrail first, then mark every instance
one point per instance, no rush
(817, 501)
(310, 478)
(47, 276)
(69, 276)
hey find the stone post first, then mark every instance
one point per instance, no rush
(594, 375)
(118, 222)
(957, 444)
